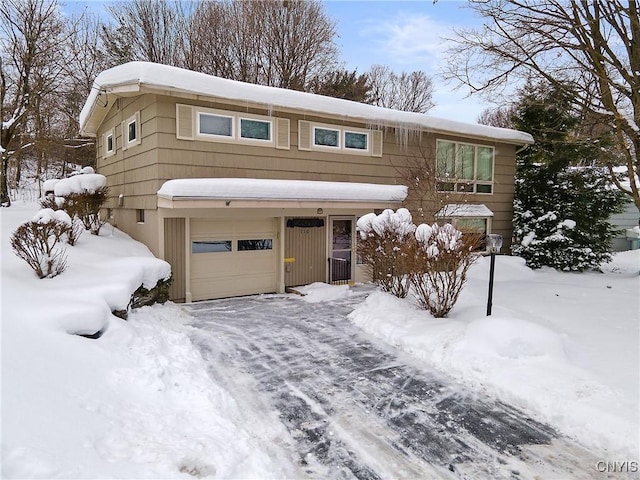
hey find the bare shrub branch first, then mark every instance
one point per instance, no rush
(441, 257)
(38, 244)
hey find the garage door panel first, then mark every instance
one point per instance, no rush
(233, 273)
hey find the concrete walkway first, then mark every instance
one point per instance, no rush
(358, 408)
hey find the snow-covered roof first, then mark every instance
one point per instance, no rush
(131, 77)
(464, 210)
(268, 189)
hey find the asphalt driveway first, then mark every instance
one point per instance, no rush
(356, 407)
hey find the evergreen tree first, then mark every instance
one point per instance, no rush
(342, 84)
(561, 212)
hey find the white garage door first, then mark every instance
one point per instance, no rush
(232, 257)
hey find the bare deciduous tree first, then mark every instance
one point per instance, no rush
(270, 42)
(496, 117)
(409, 92)
(144, 30)
(589, 49)
(31, 65)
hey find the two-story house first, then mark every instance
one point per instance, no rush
(250, 189)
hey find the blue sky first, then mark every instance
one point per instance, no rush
(404, 35)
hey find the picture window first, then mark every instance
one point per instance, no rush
(464, 167)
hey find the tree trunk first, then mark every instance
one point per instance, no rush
(5, 199)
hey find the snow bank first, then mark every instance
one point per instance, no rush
(136, 403)
(563, 346)
(323, 292)
(89, 182)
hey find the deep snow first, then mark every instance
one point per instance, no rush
(139, 402)
(564, 346)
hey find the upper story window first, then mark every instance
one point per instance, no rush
(109, 143)
(131, 134)
(226, 126)
(323, 137)
(326, 137)
(254, 129)
(218, 125)
(356, 140)
(464, 167)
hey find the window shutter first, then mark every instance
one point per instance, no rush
(304, 135)
(184, 122)
(376, 143)
(123, 137)
(282, 133)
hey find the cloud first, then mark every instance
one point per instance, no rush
(409, 40)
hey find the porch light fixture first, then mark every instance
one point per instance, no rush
(319, 211)
(494, 244)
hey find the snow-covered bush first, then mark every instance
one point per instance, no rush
(39, 242)
(561, 217)
(82, 196)
(381, 247)
(442, 256)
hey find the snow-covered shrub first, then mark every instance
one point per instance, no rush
(39, 242)
(442, 256)
(561, 217)
(381, 247)
(86, 207)
(84, 195)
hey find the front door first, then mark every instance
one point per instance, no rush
(341, 254)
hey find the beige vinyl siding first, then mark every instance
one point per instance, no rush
(175, 254)
(162, 156)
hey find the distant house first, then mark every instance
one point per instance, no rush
(250, 189)
(623, 222)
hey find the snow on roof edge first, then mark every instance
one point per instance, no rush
(464, 210)
(186, 81)
(288, 190)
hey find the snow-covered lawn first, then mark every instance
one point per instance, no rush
(563, 346)
(139, 403)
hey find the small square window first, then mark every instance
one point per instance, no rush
(140, 215)
(255, 129)
(325, 137)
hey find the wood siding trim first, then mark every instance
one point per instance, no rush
(175, 254)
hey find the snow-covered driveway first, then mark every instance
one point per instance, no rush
(356, 408)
